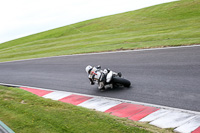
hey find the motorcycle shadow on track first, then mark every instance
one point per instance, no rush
(114, 89)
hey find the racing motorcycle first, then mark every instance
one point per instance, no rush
(106, 78)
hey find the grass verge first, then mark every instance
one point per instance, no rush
(25, 112)
(169, 24)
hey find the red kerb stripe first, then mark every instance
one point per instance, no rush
(36, 91)
(117, 107)
(143, 113)
(75, 99)
(197, 130)
(126, 109)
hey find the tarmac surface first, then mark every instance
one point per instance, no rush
(167, 77)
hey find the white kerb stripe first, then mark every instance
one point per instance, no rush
(189, 126)
(99, 104)
(155, 115)
(56, 95)
(172, 120)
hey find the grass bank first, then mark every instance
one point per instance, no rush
(169, 24)
(25, 112)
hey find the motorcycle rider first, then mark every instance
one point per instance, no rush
(95, 74)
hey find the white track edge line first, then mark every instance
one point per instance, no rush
(115, 99)
(111, 52)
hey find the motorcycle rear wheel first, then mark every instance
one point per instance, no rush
(122, 81)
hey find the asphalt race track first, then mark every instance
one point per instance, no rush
(168, 77)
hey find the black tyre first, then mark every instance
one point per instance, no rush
(121, 81)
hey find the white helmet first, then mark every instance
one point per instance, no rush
(88, 69)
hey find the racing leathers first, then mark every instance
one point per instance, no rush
(98, 75)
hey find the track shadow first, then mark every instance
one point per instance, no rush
(115, 89)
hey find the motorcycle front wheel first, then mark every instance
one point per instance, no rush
(121, 81)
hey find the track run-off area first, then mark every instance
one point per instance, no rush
(161, 76)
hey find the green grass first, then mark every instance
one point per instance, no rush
(169, 24)
(25, 112)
